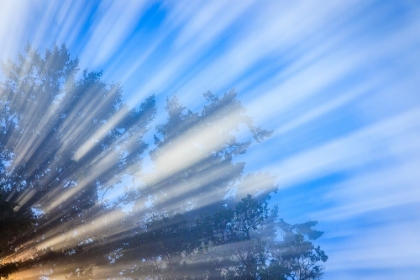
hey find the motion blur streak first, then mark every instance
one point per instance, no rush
(337, 82)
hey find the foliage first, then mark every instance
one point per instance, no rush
(218, 246)
(69, 144)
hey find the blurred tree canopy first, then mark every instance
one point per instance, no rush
(75, 201)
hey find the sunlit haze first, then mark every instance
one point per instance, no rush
(313, 103)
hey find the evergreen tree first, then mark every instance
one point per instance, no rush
(65, 138)
(69, 144)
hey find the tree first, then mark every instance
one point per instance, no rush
(232, 243)
(71, 154)
(65, 138)
(12, 223)
(297, 253)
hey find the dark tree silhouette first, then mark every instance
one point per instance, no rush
(12, 224)
(71, 162)
(64, 140)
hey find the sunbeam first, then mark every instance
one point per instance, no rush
(165, 139)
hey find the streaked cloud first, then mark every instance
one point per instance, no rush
(337, 82)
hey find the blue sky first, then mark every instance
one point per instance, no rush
(337, 81)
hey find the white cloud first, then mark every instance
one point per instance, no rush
(116, 20)
(382, 248)
(351, 151)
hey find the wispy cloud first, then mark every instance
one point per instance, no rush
(109, 31)
(296, 66)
